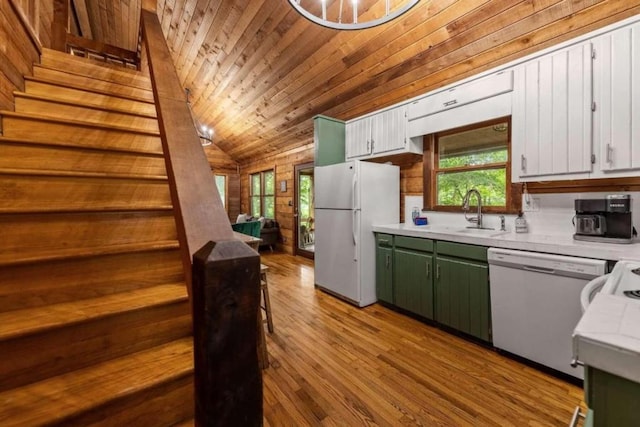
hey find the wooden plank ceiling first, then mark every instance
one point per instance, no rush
(258, 71)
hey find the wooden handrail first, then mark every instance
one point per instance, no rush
(225, 292)
(198, 206)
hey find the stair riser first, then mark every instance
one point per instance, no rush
(66, 111)
(165, 405)
(78, 96)
(55, 194)
(82, 82)
(36, 236)
(33, 129)
(33, 157)
(35, 285)
(81, 66)
(37, 357)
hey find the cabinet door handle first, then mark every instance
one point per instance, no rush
(428, 270)
(523, 162)
(437, 271)
(609, 153)
(368, 144)
(576, 415)
(372, 142)
(450, 103)
(387, 262)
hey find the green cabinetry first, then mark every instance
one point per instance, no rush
(413, 278)
(462, 289)
(384, 267)
(328, 139)
(613, 400)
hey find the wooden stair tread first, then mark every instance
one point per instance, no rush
(79, 174)
(59, 398)
(87, 89)
(40, 71)
(60, 254)
(86, 67)
(17, 323)
(7, 113)
(14, 140)
(52, 99)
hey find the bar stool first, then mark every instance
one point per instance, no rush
(265, 297)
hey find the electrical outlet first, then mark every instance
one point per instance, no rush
(531, 204)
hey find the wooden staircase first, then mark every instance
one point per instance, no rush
(95, 324)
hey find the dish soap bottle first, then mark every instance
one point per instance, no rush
(521, 223)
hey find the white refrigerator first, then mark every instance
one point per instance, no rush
(349, 198)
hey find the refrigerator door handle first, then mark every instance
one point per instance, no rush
(354, 198)
(354, 224)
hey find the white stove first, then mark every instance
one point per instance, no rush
(624, 279)
(608, 334)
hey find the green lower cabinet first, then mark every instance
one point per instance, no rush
(413, 281)
(613, 399)
(384, 267)
(462, 296)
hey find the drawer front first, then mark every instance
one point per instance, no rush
(424, 245)
(384, 240)
(476, 90)
(461, 250)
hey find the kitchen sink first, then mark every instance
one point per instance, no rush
(487, 232)
(484, 232)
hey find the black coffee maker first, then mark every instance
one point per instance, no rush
(604, 220)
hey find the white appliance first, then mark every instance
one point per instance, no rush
(349, 198)
(607, 336)
(535, 304)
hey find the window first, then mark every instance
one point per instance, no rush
(221, 183)
(262, 194)
(477, 157)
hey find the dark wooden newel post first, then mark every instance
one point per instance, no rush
(226, 298)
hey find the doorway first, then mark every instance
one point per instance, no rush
(303, 213)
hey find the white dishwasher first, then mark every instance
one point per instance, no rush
(535, 304)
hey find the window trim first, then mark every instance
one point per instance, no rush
(262, 194)
(225, 200)
(513, 192)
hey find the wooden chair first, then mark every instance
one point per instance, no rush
(266, 303)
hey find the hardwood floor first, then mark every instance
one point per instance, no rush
(333, 364)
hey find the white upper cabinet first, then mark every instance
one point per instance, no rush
(478, 100)
(389, 130)
(358, 138)
(617, 96)
(552, 116)
(380, 134)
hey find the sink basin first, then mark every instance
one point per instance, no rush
(480, 232)
(485, 232)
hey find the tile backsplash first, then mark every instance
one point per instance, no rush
(548, 214)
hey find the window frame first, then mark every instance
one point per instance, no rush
(224, 199)
(513, 192)
(262, 196)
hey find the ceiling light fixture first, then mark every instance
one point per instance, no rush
(205, 133)
(329, 13)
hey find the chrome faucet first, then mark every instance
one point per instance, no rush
(465, 207)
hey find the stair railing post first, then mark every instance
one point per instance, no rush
(225, 303)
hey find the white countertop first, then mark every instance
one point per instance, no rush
(562, 244)
(608, 336)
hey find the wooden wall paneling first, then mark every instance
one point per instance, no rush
(284, 166)
(80, 7)
(45, 21)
